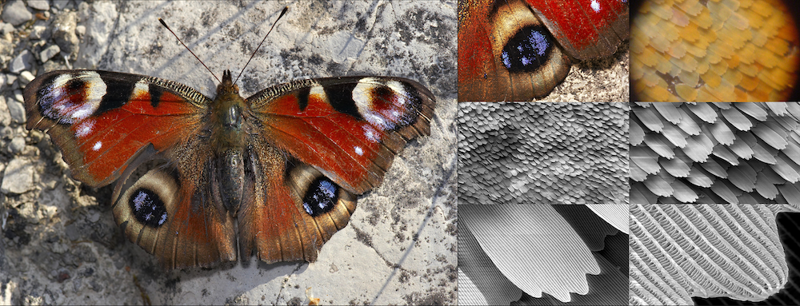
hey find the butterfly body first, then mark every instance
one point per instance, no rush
(275, 174)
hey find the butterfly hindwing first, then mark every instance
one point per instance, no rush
(323, 142)
(517, 50)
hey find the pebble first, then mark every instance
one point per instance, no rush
(16, 145)
(23, 61)
(5, 117)
(17, 111)
(37, 32)
(18, 177)
(26, 77)
(10, 79)
(16, 13)
(49, 52)
(41, 5)
(60, 4)
(64, 26)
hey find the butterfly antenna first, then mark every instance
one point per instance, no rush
(187, 48)
(286, 8)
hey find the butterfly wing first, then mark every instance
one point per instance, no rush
(322, 142)
(104, 122)
(586, 29)
(505, 53)
(100, 119)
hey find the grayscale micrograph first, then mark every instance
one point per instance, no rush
(539, 254)
(733, 254)
(715, 152)
(553, 153)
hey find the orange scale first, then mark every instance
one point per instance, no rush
(741, 95)
(637, 69)
(679, 17)
(767, 58)
(749, 70)
(733, 62)
(660, 94)
(661, 11)
(708, 35)
(690, 32)
(649, 57)
(763, 8)
(660, 43)
(639, 87)
(651, 79)
(725, 91)
(761, 93)
(759, 38)
(692, 8)
(694, 50)
(777, 46)
(720, 68)
(677, 50)
(788, 32)
(732, 76)
(702, 67)
(749, 83)
(711, 78)
(704, 95)
(747, 54)
(690, 78)
(686, 92)
(703, 20)
(666, 67)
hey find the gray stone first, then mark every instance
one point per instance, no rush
(3, 80)
(38, 32)
(16, 13)
(60, 4)
(17, 111)
(6, 28)
(18, 176)
(49, 52)
(10, 79)
(23, 61)
(16, 145)
(64, 33)
(41, 5)
(26, 77)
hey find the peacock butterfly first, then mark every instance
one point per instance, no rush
(277, 173)
(516, 50)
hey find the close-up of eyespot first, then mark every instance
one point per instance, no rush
(715, 50)
(520, 50)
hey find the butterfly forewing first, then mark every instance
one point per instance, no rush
(101, 119)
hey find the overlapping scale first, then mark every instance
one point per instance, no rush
(713, 50)
(743, 151)
(555, 153)
(682, 251)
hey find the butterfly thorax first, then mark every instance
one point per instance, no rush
(228, 139)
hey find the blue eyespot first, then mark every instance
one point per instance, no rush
(527, 50)
(321, 197)
(148, 208)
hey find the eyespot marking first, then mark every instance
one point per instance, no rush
(321, 197)
(148, 208)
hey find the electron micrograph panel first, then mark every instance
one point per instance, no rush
(534, 254)
(683, 252)
(715, 153)
(552, 153)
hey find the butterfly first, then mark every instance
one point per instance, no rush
(516, 50)
(275, 174)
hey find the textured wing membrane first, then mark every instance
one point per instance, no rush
(274, 224)
(587, 29)
(680, 251)
(727, 50)
(100, 120)
(349, 128)
(195, 230)
(715, 153)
